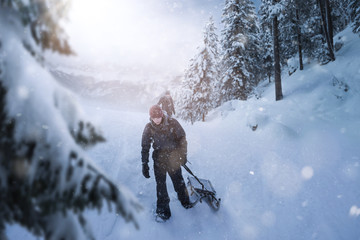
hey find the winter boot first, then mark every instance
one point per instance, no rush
(163, 213)
(160, 217)
(187, 204)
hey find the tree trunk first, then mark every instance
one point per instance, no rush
(329, 23)
(326, 23)
(278, 89)
(299, 40)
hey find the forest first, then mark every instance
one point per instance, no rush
(252, 46)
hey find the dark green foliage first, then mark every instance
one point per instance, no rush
(29, 202)
(85, 135)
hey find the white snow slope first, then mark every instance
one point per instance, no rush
(295, 177)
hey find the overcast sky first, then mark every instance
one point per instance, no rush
(160, 34)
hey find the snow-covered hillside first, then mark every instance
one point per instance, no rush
(284, 170)
(295, 177)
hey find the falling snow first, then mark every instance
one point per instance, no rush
(296, 176)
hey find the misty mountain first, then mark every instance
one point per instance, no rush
(129, 94)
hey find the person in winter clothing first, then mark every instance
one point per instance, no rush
(167, 104)
(168, 140)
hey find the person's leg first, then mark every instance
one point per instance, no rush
(180, 187)
(162, 206)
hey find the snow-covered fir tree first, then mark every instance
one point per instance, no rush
(185, 100)
(290, 30)
(240, 46)
(200, 87)
(312, 39)
(266, 39)
(267, 55)
(300, 31)
(340, 14)
(327, 26)
(46, 178)
(321, 20)
(355, 15)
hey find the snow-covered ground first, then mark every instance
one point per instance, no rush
(295, 177)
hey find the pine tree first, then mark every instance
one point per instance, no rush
(240, 43)
(340, 14)
(185, 100)
(46, 180)
(290, 31)
(267, 53)
(200, 91)
(266, 39)
(212, 57)
(313, 40)
(355, 15)
(287, 30)
(300, 30)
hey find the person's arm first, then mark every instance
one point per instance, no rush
(172, 105)
(146, 144)
(160, 102)
(145, 148)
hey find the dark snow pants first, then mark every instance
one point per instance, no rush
(164, 162)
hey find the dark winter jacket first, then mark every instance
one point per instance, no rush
(167, 104)
(168, 136)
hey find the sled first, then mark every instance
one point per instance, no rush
(203, 190)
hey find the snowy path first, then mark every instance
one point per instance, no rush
(278, 182)
(120, 158)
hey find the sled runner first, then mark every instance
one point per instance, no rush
(203, 190)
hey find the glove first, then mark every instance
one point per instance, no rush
(145, 170)
(183, 160)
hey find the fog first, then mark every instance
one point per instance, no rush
(153, 34)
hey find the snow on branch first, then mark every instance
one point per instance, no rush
(276, 10)
(46, 177)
